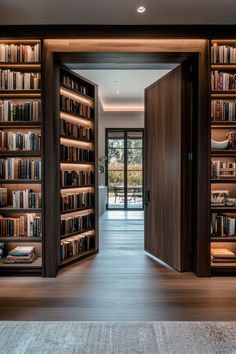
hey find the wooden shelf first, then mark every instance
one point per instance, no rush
(72, 115)
(223, 265)
(36, 264)
(223, 239)
(223, 152)
(14, 239)
(23, 124)
(79, 256)
(20, 153)
(63, 212)
(75, 187)
(223, 209)
(77, 163)
(222, 124)
(77, 140)
(223, 66)
(20, 181)
(77, 233)
(223, 94)
(19, 210)
(223, 180)
(79, 94)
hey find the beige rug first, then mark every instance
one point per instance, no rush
(117, 337)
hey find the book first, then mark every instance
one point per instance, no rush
(71, 224)
(19, 53)
(16, 80)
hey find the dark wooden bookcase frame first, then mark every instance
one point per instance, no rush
(218, 241)
(37, 266)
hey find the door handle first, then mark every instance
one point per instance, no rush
(147, 197)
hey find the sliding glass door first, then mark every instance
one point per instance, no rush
(124, 173)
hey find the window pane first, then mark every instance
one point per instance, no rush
(116, 159)
(135, 190)
(135, 158)
(135, 143)
(116, 189)
(115, 144)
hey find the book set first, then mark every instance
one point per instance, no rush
(72, 224)
(10, 141)
(19, 111)
(76, 154)
(223, 156)
(17, 199)
(76, 131)
(15, 168)
(16, 80)
(19, 53)
(77, 201)
(76, 245)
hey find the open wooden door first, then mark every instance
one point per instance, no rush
(168, 156)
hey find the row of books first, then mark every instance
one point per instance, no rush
(76, 154)
(75, 85)
(75, 245)
(220, 169)
(76, 178)
(15, 168)
(222, 255)
(29, 111)
(10, 141)
(222, 225)
(20, 198)
(16, 80)
(221, 81)
(76, 131)
(223, 54)
(27, 225)
(71, 224)
(19, 53)
(223, 110)
(76, 201)
(77, 108)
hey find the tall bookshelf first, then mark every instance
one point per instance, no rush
(223, 158)
(20, 154)
(78, 180)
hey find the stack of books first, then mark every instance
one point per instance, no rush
(21, 254)
(222, 255)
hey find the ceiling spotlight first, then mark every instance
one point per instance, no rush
(118, 92)
(114, 81)
(141, 9)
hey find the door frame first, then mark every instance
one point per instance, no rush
(125, 130)
(166, 50)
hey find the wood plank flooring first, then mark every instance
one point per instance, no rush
(120, 283)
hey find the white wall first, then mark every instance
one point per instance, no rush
(116, 120)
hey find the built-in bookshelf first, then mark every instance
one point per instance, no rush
(21, 231)
(78, 186)
(223, 155)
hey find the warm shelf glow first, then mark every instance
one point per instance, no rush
(79, 143)
(74, 213)
(21, 66)
(76, 190)
(70, 166)
(76, 97)
(77, 120)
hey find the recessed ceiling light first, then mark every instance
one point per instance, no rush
(141, 9)
(118, 92)
(115, 81)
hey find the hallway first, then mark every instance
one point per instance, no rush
(120, 283)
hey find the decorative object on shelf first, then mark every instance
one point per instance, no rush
(219, 145)
(231, 136)
(218, 197)
(230, 202)
(102, 164)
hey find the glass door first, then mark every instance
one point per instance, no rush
(124, 173)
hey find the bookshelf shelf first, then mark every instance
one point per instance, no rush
(217, 124)
(22, 239)
(76, 233)
(63, 212)
(22, 125)
(19, 210)
(68, 115)
(223, 239)
(78, 257)
(77, 187)
(223, 209)
(79, 94)
(226, 265)
(77, 163)
(223, 180)
(223, 152)
(20, 153)
(76, 140)
(223, 66)
(20, 181)
(23, 61)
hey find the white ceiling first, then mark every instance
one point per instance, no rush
(122, 90)
(117, 12)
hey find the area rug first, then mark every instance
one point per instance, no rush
(117, 337)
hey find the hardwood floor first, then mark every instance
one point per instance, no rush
(120, 283)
